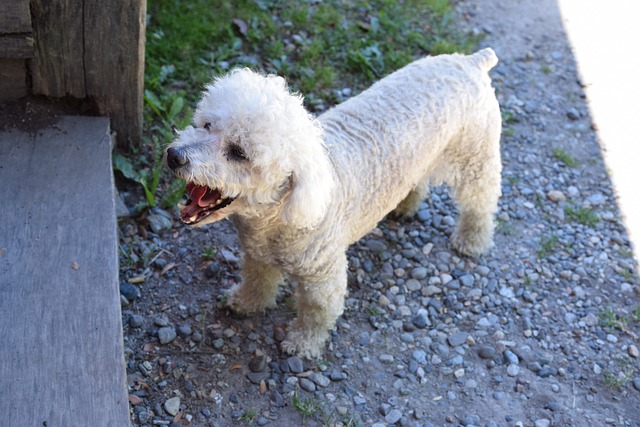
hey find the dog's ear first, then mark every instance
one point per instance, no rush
(312, 183)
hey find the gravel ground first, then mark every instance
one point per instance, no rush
(541, 332)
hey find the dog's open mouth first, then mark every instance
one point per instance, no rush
(203, 201)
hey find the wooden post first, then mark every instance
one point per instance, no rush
(93, 49)
(16, 46)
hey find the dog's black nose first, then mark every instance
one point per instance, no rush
(176, 158)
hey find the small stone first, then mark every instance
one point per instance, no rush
(486, 352)
(161, 321)
(159, 221)
(636, 383)
(166, 335)
(431, 290)
(467, 280)
(457, 338)
(393, 416)
(307, 385)
(257, 377)
(573, 114)
(136, 321)
(552, 406)
(172, 406)
(319, 379)
(459, 373)
(419, 273)
(556, 196)
(421, 320)
(295, 364)
(543, 422)
(513, 370)
(258, 363)
(386, 358)
(633, 351)
(129, 291)
(511, 357)
(376, 246)
(184, 330)
(413, 285)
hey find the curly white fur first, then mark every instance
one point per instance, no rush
(306, 188)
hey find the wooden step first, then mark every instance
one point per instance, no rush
(61, 351)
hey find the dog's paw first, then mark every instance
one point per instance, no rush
(305, 344)
(246, 303)
(472, 247)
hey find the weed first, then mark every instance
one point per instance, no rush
(248, 415)
(636, 314)
(548, 245)
(565, 157)
(582, 215)
(308, 406)
(610, 319)
(209, 252)
(624, 375)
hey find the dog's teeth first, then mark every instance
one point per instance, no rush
(181, 206)
(218, 202)
(193, 218)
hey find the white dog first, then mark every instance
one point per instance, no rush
(300, 190)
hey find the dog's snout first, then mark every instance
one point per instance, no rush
(176, 158)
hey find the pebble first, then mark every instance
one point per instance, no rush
(419, 273)
(295, 364)
(258, 363)
(166, 335)
(393, 416)
(129, 291)
(543, 422)
(136, 321)
(457, 338)
(633, 351)
(486, 352)
(556, 196)
(172, 405)
(513, 370)
(307, 385)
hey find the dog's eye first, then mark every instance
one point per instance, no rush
(236, 153)
(207, 126)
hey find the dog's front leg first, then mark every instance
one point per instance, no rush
(320, 303)
(258, 289)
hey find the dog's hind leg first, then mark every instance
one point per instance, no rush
(410, 204)
(320, 303)
(258, 289)
(476, 188)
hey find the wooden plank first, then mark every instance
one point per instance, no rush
(15, 16)
(16, 46)
(13, 79)
(58, 65)
(114, 61)
(61, 358)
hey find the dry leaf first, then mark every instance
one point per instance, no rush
(235, 367)
(263, 387)
(136, 280)
(134, 400)
(167, 268)
(148, 347)
(74, 265)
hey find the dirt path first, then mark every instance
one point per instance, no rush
(542, 332)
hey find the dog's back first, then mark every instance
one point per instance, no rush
(400, 125)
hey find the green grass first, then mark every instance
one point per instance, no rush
(320, 47)
(582, 215)
(548, 245)
(565, 157)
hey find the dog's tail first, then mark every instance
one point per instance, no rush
(485, 59)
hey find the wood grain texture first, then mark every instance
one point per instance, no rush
(61, 358)
(93, 49)
(14, 16)
(16, 46)
(115, 76)
(13, 82)
(58, 65)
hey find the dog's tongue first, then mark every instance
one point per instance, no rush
(201, 195)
